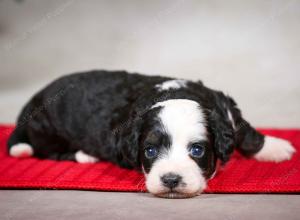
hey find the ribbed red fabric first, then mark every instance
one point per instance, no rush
(240, 175)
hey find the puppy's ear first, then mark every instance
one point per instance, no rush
(128, 143)
(222, 135)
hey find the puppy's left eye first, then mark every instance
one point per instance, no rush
(196, 150)
(151, 152)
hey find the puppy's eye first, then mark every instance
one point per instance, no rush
(151, 152)
(196, 150)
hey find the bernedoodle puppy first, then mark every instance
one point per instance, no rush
(172, 130)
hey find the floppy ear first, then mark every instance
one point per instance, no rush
(223, 135)
(128, 143)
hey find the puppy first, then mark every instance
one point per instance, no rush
(172, 130)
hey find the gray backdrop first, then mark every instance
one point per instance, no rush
(249, 49)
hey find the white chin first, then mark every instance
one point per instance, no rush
(176, 195)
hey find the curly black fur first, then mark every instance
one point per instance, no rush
(105, 114)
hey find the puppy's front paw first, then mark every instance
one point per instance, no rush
(82, 157)
(275, 150)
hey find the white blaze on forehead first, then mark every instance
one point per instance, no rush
(171, 84)
(183, 120)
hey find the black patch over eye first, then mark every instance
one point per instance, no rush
(197, 150)
(151, 152)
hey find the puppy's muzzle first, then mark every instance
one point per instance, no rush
(171, 181)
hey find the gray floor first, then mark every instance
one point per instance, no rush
(42, 204)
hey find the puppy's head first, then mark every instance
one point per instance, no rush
(177, 144)
(178, 148)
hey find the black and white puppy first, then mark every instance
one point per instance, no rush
(173, 130)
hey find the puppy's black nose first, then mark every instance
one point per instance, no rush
(171, 180)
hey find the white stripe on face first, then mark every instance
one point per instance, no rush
(184, 122)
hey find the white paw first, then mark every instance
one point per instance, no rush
(275, 150)
(21, 150)
(82, 157)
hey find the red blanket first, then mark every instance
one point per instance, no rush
(240, 175)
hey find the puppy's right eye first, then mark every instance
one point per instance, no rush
(151, 152)
(197, 150)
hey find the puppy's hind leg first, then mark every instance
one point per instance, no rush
(78, 156)
(82, 157)
(62, 156)
(18, 144)
(21, 150)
